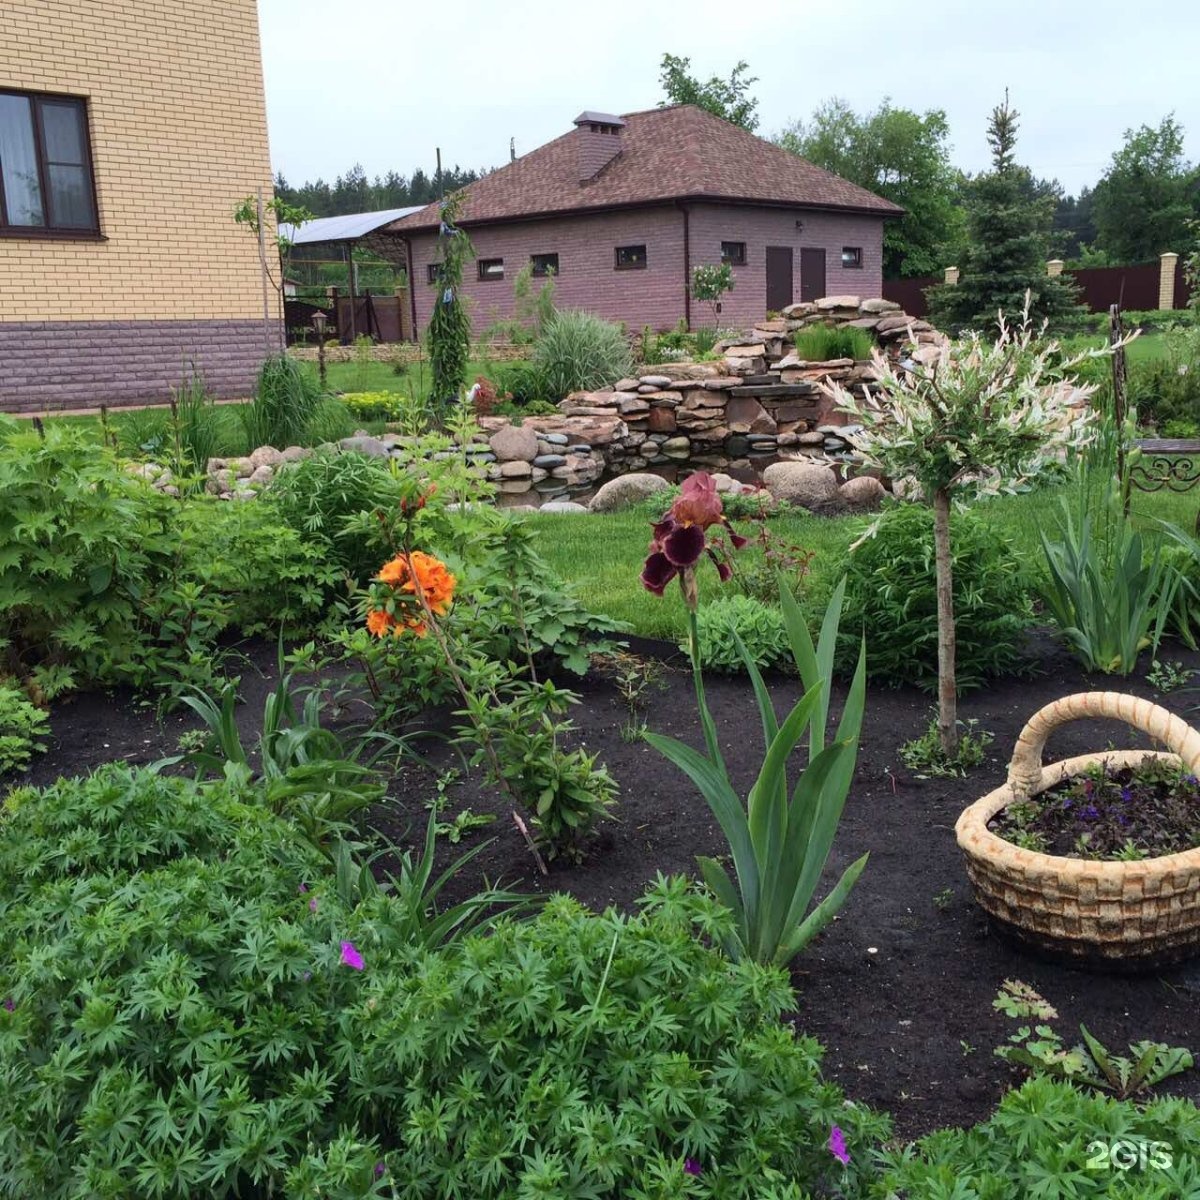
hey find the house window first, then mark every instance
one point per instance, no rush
(852, 256)
(631, 258)
(491, 268)
(433, 272)
(733, 253)
(46, 183)
(544, 264)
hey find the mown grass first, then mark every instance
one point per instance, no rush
(601, 555)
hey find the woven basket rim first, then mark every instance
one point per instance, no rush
(976, 840)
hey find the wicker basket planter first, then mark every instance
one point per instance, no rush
(1115, 915)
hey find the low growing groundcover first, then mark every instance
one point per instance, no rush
(899, 988)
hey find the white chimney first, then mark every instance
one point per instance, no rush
(597, 141)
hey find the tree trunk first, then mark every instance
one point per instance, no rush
(947, 684)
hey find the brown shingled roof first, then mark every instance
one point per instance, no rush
(675, 153)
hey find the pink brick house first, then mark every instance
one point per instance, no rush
(622, 209)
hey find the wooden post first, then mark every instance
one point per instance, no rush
(1120, 393)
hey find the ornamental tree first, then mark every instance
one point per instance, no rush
(710, 282)
(968, 416)
(449, 333)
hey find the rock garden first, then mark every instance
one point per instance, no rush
(757, 827)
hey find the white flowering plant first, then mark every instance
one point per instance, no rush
(974, 415)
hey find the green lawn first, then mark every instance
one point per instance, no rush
(383, 377)
(602, 555)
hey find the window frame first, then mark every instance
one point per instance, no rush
(51, 232)
(618, 265)
(489, 277)
(857, 261)
(546, 270)
(733, 260)
(433, 272)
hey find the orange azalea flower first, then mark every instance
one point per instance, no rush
(379, 622)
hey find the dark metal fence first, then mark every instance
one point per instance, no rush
(381, 318)
(1133, 288)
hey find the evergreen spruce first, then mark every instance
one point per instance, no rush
(1008, 243)
(449, 333)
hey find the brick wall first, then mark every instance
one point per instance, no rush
(178, 135)
(48, 365)
(588, 279)
(711, 224)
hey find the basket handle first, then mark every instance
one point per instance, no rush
(1025, 770)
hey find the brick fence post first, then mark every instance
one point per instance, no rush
(1166, 279)
(951, 274)
(1055, 266)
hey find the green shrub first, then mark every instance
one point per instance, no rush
(580, 352)
(522, 381)
(891, 597)
(195, 424)
(22, 726)
(184, 1018)
(1048, 1139)
(820, 343)
(1165, 389)
(80, 540)
(317, 495)
(760, 627)
(331, 421)
(286, 398)
(268, 575)
(372, 406)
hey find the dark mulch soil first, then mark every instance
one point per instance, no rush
(899, 988)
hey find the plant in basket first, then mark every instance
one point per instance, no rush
(1095, 858)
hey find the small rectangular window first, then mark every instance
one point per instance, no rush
(46, 182)
(433, 272)
(544, 264)
(852, 256)
(630, 258)
(491, 268)
(733, 253)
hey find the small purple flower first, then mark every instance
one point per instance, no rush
(837, 1146)
(1191, 781)
(692, 1167)
(351, 957)
(1068, 803)
(8, 1003)
(306, 976)
(1090, 813)
(1126, 794)
(302, 888)
(1122, 819)
(380, 1170)
(312, 905)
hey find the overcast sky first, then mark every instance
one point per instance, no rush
(386, 82)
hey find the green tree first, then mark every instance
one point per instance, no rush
(449, 333)
(725, 98)
(901, 155)
(1009, 216)
(1147, 196)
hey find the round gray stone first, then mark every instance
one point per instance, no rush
(625, 491)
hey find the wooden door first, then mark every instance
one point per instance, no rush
(779, 278)
(812, 273)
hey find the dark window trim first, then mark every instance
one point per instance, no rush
(546, 268)
(484, 277)
(78, 232)
(433, 273)
(732, 260)
(618, 265)
(856, 265)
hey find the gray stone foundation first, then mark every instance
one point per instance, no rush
(48, 365)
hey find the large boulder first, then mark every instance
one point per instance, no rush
(363, 443)
(863, 492)
(626, 491)
(514, 443)
(562, 506)
(810, 485)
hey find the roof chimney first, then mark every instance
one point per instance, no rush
(597, 141)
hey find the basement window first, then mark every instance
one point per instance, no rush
(852, 257)
(491, 268)
(46, 185)
(733, 254)
(630, 258)
(544, 264)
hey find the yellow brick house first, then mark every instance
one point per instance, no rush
(129, 131)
